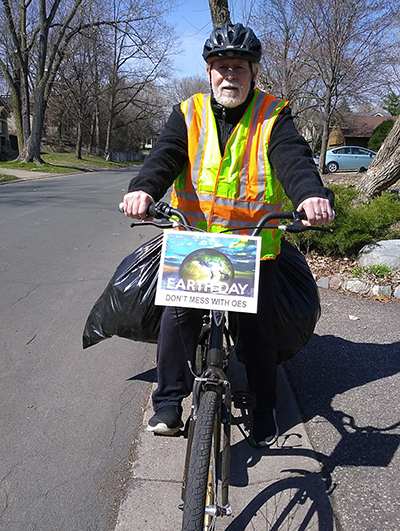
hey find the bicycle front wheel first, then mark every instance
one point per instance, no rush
(200, 508)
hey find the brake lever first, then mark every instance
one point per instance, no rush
(323, 229)
(296, 226)
(160, 225)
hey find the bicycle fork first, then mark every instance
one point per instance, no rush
(224, 388)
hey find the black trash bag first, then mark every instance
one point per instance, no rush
(126, 307)
(296, 302)
(296, 306)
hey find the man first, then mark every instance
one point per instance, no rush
(228, 155)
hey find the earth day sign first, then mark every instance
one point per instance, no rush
(212, 271)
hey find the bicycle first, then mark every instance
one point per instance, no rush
(205, 486)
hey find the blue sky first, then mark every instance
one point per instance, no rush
(192, 22)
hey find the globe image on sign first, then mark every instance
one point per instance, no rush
(207, 265)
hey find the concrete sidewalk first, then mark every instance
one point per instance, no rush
(26, 175)
(279, 488)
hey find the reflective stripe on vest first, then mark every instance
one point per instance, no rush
(237, 189)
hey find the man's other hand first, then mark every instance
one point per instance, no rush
(136, 205)
(318, 211)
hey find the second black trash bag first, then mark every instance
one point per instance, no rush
(296, 302)
(296, 306)
(126, 307)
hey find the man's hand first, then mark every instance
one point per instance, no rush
(318, 211)
(136, 205)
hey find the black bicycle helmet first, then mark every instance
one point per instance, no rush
(232, 40)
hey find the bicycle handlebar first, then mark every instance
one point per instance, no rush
(161, 210)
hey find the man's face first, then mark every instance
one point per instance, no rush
(230, 80)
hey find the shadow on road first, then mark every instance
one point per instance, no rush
(294, 503)
(328, 366)
(146, 376)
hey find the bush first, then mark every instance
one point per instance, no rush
(357, 271)
(354, 226)
(379, 135)
(379, 270)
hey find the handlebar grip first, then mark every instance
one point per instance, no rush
(303, 215)
(151, 211)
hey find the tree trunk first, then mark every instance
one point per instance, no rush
(79, 136)
(91, 134)
(25, 101)
(384, 170)
(97, 126)
(109, 131)
(16, 104)
(219, 12)
(324, 145)
(111, 111)
(325, 130)
(31, 152)
(94, 146)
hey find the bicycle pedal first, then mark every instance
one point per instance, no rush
(171, 435)
(244, 400)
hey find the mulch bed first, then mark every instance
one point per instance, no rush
(327, 266)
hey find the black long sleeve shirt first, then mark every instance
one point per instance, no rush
(288, 153)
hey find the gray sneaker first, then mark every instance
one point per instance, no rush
(265, 427)
(166, 421)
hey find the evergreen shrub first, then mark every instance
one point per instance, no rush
(353, 226)
(379, 134)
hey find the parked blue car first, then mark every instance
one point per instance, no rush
(348, 158)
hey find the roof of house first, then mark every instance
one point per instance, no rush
(362, 126)
(6, 102)
(3, 112)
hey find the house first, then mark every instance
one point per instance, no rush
(8, 143)
(355, 130)
(4, 137)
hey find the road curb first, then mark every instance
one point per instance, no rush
(357, 287)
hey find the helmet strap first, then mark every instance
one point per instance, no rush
(209, 79)
(253, 83)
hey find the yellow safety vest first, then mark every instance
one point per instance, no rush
(237, 189)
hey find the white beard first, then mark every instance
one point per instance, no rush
(230, 99)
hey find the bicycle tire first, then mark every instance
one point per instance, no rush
(202, 476)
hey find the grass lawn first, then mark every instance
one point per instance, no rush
(4, 178)
(65, 163)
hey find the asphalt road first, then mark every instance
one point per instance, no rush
(69, 417)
